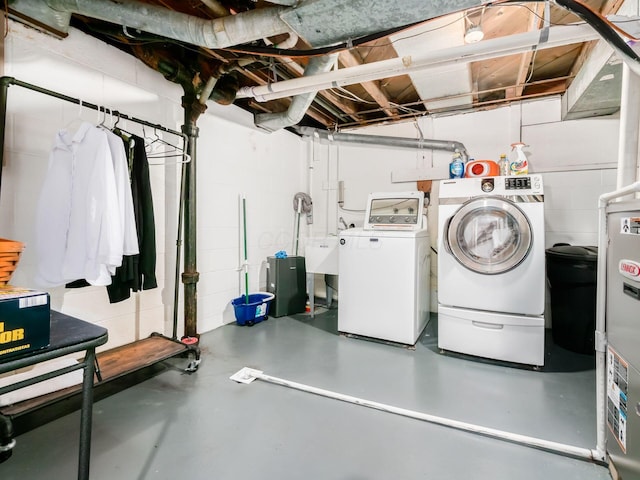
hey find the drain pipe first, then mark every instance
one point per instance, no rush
(300, 103)
(601, 310)
(378, 140)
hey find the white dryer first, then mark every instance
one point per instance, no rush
(491, 268)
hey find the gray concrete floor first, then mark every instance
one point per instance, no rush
(204, 426)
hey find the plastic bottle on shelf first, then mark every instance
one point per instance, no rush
(503, 164)
(456, 167)
(519, 164)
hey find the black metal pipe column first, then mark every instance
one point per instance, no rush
(4, 91)
(192, 110)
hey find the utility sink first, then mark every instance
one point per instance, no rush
(321, 255)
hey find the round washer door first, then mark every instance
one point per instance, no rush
(489, 235)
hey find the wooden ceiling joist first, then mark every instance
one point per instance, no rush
(349, 59)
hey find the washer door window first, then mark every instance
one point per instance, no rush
(489, 235)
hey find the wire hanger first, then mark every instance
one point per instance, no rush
(77, 119)
(170, 150)
(176, 152)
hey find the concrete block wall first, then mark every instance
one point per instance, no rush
(233, 158)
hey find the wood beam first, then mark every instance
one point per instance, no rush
(534, 23)
(350, 59)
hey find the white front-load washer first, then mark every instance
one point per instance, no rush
(491, 268)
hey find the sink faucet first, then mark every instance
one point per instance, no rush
(341, 220)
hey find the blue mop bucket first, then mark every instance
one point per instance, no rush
(254, 311)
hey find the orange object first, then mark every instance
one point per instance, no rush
(482, 168)
(10, 251)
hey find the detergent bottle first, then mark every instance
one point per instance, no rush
(456, 167)
(519, 164)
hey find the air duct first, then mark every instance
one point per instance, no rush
(218, 33)
(300, 103)
(383, 141)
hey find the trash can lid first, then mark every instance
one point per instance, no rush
(574, 252)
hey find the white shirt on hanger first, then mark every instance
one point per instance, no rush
(79, 233)
(123, 188)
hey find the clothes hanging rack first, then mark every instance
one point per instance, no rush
(141, 353)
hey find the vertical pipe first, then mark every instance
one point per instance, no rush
(176, 288)
(629, 127)
(190, 276)
(4, 90)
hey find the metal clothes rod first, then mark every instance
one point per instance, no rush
(5, 82)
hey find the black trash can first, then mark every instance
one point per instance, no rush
(572, 273)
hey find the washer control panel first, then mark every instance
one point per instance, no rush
(507, 186)
(395, 211)
(517, 183)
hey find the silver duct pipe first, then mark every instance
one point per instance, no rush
(218, 33)
(300, 103)
(394, 142)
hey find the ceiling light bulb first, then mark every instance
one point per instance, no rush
(474, 34)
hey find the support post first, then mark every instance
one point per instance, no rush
(192, 110)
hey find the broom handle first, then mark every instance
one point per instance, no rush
(246, 267)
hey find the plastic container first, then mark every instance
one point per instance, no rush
(503, 165)
(456, 167)
(571, 271)
(481, 168)
(254, 311)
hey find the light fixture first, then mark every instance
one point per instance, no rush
(473, 34)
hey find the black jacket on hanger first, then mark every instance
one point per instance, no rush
(138, 272)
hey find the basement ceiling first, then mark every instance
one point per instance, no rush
(360, 33)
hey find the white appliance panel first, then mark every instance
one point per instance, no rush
(384, 284)
(511, 338)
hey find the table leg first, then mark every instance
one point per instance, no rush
(86, 415)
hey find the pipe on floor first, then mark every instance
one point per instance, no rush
(555, 447)
(601, 310)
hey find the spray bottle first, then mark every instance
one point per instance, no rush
(519, 164)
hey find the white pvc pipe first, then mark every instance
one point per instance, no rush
(629, 127)
(601, 310)
(578, 452)
(497, 47)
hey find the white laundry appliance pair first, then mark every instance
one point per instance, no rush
(384, 270)
(491, 268)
